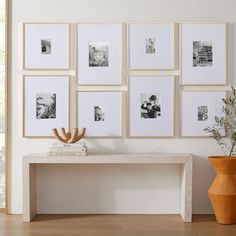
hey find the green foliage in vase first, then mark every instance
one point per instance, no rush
(226, 123)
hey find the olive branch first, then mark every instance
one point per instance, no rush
(227, 124)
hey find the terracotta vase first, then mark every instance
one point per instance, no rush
(222, 192)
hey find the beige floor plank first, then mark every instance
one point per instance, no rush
(113, 225)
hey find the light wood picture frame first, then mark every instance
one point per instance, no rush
(46, 105)
(151, 46)
(151, 106)
(46, 46)
(203, 53)
(101, 113)
(198, 110)
(99, 53)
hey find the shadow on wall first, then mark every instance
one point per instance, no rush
(115, 145)
(122, 145)
(231, 54)
(203, 175)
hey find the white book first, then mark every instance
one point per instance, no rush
(71, 145)
(82, 149)
(67, 154)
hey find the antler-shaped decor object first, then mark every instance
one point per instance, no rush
(66, 137)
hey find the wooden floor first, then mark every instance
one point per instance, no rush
(113, 225)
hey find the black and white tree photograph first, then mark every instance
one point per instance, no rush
(46, 46)
(98, 54)
(99, 114)
(202, 54)
(150, 105)
(150, 45)
(202, 113)
(46, 106)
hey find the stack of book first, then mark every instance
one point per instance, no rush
(63, 149)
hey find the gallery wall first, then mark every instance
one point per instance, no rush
(119, 189)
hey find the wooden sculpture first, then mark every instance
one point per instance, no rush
(66, 137)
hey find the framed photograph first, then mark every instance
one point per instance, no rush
(100, 113)
(203, 53)
(199, 109)
(45, 105)
(151, 106)
(99, 54)
(151, 46)
(46, 46)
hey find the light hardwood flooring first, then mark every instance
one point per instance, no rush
(113, 225)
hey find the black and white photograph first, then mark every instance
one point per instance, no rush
(46, 46)
(98, 54)
(99, 114)
(46, 106)
(150, 45)
(150, 105)
(202, 54)
(202, 113)
(199, 109)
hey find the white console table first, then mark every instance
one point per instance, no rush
(31, 160)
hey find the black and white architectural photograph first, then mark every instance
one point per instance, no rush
(98, 54)
(150, 105)
(46, 46)
(46, 106)
(150, 45)
(202, 113)
(202, 54)
(99, 114)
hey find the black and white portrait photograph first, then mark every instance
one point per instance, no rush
(202, 54)
(98, 54)
(202, 113)
(46, 46)
(150, 105)
(46, 106)
(99, 114)
(150, 45)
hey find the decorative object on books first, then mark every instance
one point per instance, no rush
(68, 149)
(45, 105)
(203, 53)
(151, 106)
(198, 111)
(46, 46)
(99, 54)
(66, 137)
(100, 112)
(222, 192)
(151, 46)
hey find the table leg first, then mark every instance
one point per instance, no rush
(186, 192)
(29, 191)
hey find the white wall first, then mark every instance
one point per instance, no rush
(108, 188)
